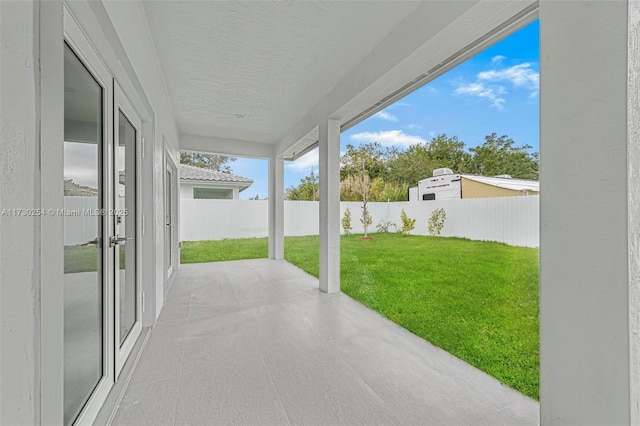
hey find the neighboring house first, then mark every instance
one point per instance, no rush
(199, 183)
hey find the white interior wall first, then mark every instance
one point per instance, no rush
(584, 257)
(19, 235)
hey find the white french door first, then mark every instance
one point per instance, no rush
(102, 297)
(88, 292)
(124, 235)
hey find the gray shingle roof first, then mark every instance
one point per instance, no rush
(206, 175)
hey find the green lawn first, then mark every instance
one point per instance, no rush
(85, 258)
(215, 251)
(80, 259)
(477, 300)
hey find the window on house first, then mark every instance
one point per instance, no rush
(212, 194)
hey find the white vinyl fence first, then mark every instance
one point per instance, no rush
(511, 220)
(80, 224)
(82, 228)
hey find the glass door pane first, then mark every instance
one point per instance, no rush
(83, 235)
(124, 242)
(125, 217)
(167, 214)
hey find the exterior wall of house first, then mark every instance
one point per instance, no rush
(19, 235)
(473, 189)
(186, 189)
(31, 121)
(130, 23)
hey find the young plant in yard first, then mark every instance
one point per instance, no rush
(346, 222)
(408, 224)
(366, 220)
(436, 221)
(385, 225)
(365, 189)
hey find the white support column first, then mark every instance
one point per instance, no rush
(589, 217)
(330, 206)
(276, 208)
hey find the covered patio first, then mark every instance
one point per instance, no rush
(260, 341)
(255, 342)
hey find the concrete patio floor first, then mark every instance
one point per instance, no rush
(255, 342)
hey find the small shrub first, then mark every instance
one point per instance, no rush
(385, 225)
(346, 222)
(436, 221)
(408, 224)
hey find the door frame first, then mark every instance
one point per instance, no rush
(121, 352)
(170, 165)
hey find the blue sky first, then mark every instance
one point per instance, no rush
(495, 91)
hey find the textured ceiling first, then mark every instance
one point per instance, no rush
(268, 61)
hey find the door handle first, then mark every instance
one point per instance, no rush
(115, 240)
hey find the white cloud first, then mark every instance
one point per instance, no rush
(386, 116)
(490, 84)
(389, 138)
(493, 93)
(305, 163)
(519, 75)
(413, 126)
(498, 59)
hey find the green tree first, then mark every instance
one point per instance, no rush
(500, 155)
(412, 165)
(307, 190)
(388, 191)
(376, 160)
(418, 161)
(449, 152)
(365, 189)
(220, 163)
